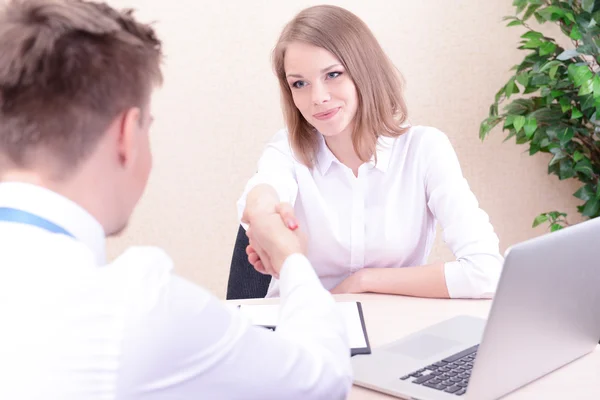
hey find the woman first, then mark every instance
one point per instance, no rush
(366, 186)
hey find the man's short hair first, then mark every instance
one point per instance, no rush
(68, 68)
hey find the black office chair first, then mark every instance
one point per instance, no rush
(244, 281)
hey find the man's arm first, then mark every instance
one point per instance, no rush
(189, 344)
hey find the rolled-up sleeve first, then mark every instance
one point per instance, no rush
(466, 227)
(275, 168)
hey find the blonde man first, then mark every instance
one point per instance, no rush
(76, 81)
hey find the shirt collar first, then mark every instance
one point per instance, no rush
(58, 210)
(324, 157)
(383, 150)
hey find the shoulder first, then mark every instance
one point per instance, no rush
(142, 271)
(427, 143)
(145, 275)
(427, 136)
(281, 141)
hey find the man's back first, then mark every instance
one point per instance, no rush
(74, 328)
(65, 317)
(76, 85)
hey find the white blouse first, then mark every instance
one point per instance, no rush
(386, 216)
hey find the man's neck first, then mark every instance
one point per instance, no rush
(82, 195)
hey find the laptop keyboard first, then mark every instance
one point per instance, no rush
(450, 375)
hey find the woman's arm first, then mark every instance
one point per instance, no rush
(274, 181)
(466, 230)
(423, 281)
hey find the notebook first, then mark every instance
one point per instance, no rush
(266, 315)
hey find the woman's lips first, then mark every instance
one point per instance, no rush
(325, 115)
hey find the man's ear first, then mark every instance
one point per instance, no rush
(127, 139)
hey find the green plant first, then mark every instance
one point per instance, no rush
(552, 102)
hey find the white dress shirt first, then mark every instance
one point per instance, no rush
(74, 328)
(386, 216)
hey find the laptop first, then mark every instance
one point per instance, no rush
(545, 314)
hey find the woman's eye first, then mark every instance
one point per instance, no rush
(299, 84)
(332, 75)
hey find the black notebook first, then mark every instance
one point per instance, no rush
(266, 315)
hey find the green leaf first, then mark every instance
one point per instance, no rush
(549, 65)
(488, 125)
(575, 113)
(548, 115)
(555, 227)
(553, 71)
(585, 167)
(523, 78)
(511, 88)
(551, 13)
(533, 44)
(547, 48)
(511, 134)
(588, 5)
(519, 122)
(545, 142)
(540, 219)
(577, 156)
(591, 207)
(515, 23)
(587, 87)
(596, 86)
(530, 10)
(566, 169)
(558, 155)
(575, 32)
(587, 102)
(566, 136)
(579, 74)
(540, 80)
(584, 193)
(530, 127)
(567, 54)
(532, 35)
(589, 49)
(565, 104)
(520, 4)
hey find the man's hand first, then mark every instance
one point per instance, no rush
(273, 238)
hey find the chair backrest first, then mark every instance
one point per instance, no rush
(244, 281)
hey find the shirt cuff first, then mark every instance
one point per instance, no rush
(464, 284)
(296, 271)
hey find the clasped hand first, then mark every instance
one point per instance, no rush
(273, 236)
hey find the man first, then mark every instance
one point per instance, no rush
(76, 80)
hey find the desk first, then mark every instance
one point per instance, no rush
(391, 317)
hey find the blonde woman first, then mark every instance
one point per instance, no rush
(366, 186)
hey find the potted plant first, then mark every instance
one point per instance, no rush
(552, 102)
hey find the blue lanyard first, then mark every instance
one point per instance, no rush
(23, 217)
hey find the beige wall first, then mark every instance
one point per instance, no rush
(220, 104)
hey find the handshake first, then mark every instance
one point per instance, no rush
(274, 236)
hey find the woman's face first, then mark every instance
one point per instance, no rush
(321, 88)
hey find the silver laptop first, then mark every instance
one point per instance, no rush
(546, 313)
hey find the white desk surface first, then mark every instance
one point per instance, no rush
(391, 317)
